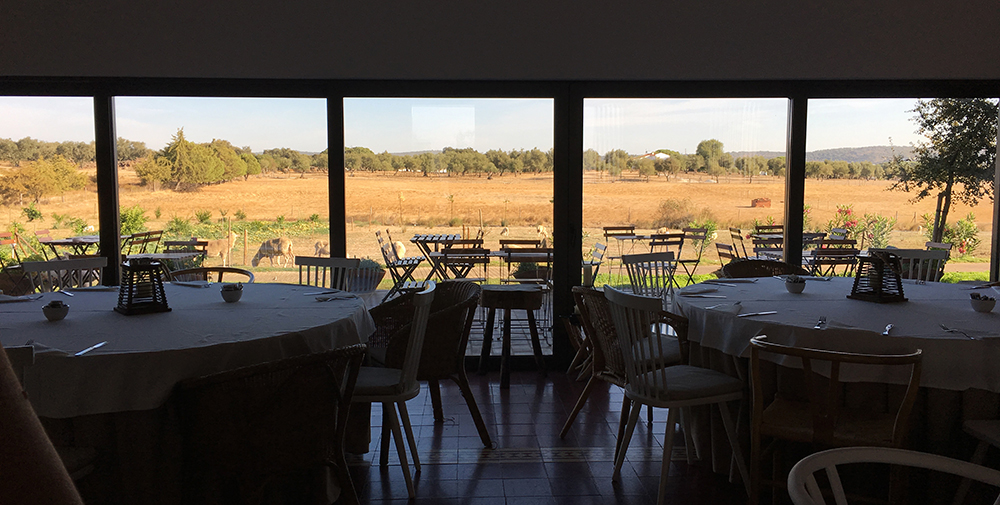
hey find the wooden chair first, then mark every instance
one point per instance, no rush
(739, 246)
(726, 253)
(214, 274)
(44, 237)
(671, 387)
(839, 234)
(832, 254)
(460, 258)
(392, 387)
(55, 275)
(651, 274)
(769, 228)
(610, 232)
(242, 427)
(401, 269)
(987, 432)
(804, 489)
(608, 362)
(815, 414)
(769, 248)
(193, 245)
(698, 238)
(453, 311)
(924, 266)
(944, 246)
(760, 268)
(668, 242)
(514, 243)
(314, 271)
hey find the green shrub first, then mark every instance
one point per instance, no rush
(157, 213)
(57, 219)
(31, 213)
(179, 227)
(133, 219)
(455, 221)
(203, 216)
(240, 215)
(963, 235)
(674, 213)
(314, 218)
(78, 225)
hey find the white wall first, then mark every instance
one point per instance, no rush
(503, 39)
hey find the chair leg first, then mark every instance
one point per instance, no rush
(435, 389)
(383, 459)
(649, 415)
(579, 405)
(633, 417)
(727, 422)
(389, 417)
(622, 422)
(470, 401)
(405, 417)
(689, 447)
(484, 356)
(668, 449)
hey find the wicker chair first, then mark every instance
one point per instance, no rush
(243, 426)
(452, 313)
(760, 268)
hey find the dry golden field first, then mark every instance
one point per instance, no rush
(409, 203)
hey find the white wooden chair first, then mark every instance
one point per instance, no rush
(47, 276)
(392, 387)
(804, 489)
(654, 379)
(314, 271)
(924, 266)
(651, 274)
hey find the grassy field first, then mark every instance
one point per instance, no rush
(409, 203)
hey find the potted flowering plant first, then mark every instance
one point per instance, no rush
(367, 277)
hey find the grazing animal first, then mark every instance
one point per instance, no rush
(275, 248)
(399, 248)
(322, 248)
(662, 230)
(220, 248)
(505, 231)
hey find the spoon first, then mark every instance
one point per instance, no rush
(952, 330)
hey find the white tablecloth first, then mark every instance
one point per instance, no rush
(951, 360)
(146, 355)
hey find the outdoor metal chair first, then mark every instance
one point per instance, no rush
(401, 269)
(698, 238)
(739, 247)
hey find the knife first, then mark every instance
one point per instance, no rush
(765, 313)
(91, 348)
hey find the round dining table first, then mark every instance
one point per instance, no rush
(961, 347)
(116, 397)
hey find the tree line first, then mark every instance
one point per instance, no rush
(452, 161)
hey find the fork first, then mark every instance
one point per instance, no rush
(821, 323)
(953, 330)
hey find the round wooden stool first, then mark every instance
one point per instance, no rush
(527, 297)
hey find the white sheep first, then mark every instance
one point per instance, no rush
(220, 248)
(275, 248)
(399, 248)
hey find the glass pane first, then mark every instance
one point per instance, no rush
(853, 184)
(662, 165)
(422, 171)
(47, 184)
(204, 169)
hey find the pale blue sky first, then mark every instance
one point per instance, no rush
(407, 124)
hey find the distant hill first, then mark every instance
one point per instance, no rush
(874, 154)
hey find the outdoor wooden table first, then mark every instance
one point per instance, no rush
(80, 245)
(527, 297)
(430, 243)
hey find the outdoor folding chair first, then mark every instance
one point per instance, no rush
(739, 247)
(401, 269)
(698, 238)
(594, 264)
(832, 254)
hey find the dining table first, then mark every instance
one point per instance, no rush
(116, 396)
(79, 245)
(961, 347)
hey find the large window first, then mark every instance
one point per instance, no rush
(665, 164)
(253, 169)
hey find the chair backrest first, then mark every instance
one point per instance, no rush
(821, 370)
(838, 234)
(611, 231)
(202, 273)
(919, 264)
(698, 238)
(599, 328)
(944, 246)
(726, 253)
(316, 270)
(464, 243)
(804, 489)
(769, 228)
(597, 254)
(645, 355)
(511, 243)
(834, 243)
(389, 254)
(661, 242)
(418, 328)
(760, 268)
(60, 274)
(651, 274)
(765, 246)
(253, 422)
(739, 247)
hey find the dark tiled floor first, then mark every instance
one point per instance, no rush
(531, 464)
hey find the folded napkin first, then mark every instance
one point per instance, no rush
(339, 296)
(698, 290)
(12, 299)
(44, 349)
(191, 284)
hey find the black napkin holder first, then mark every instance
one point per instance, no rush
(877, 279)
(141, 291)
